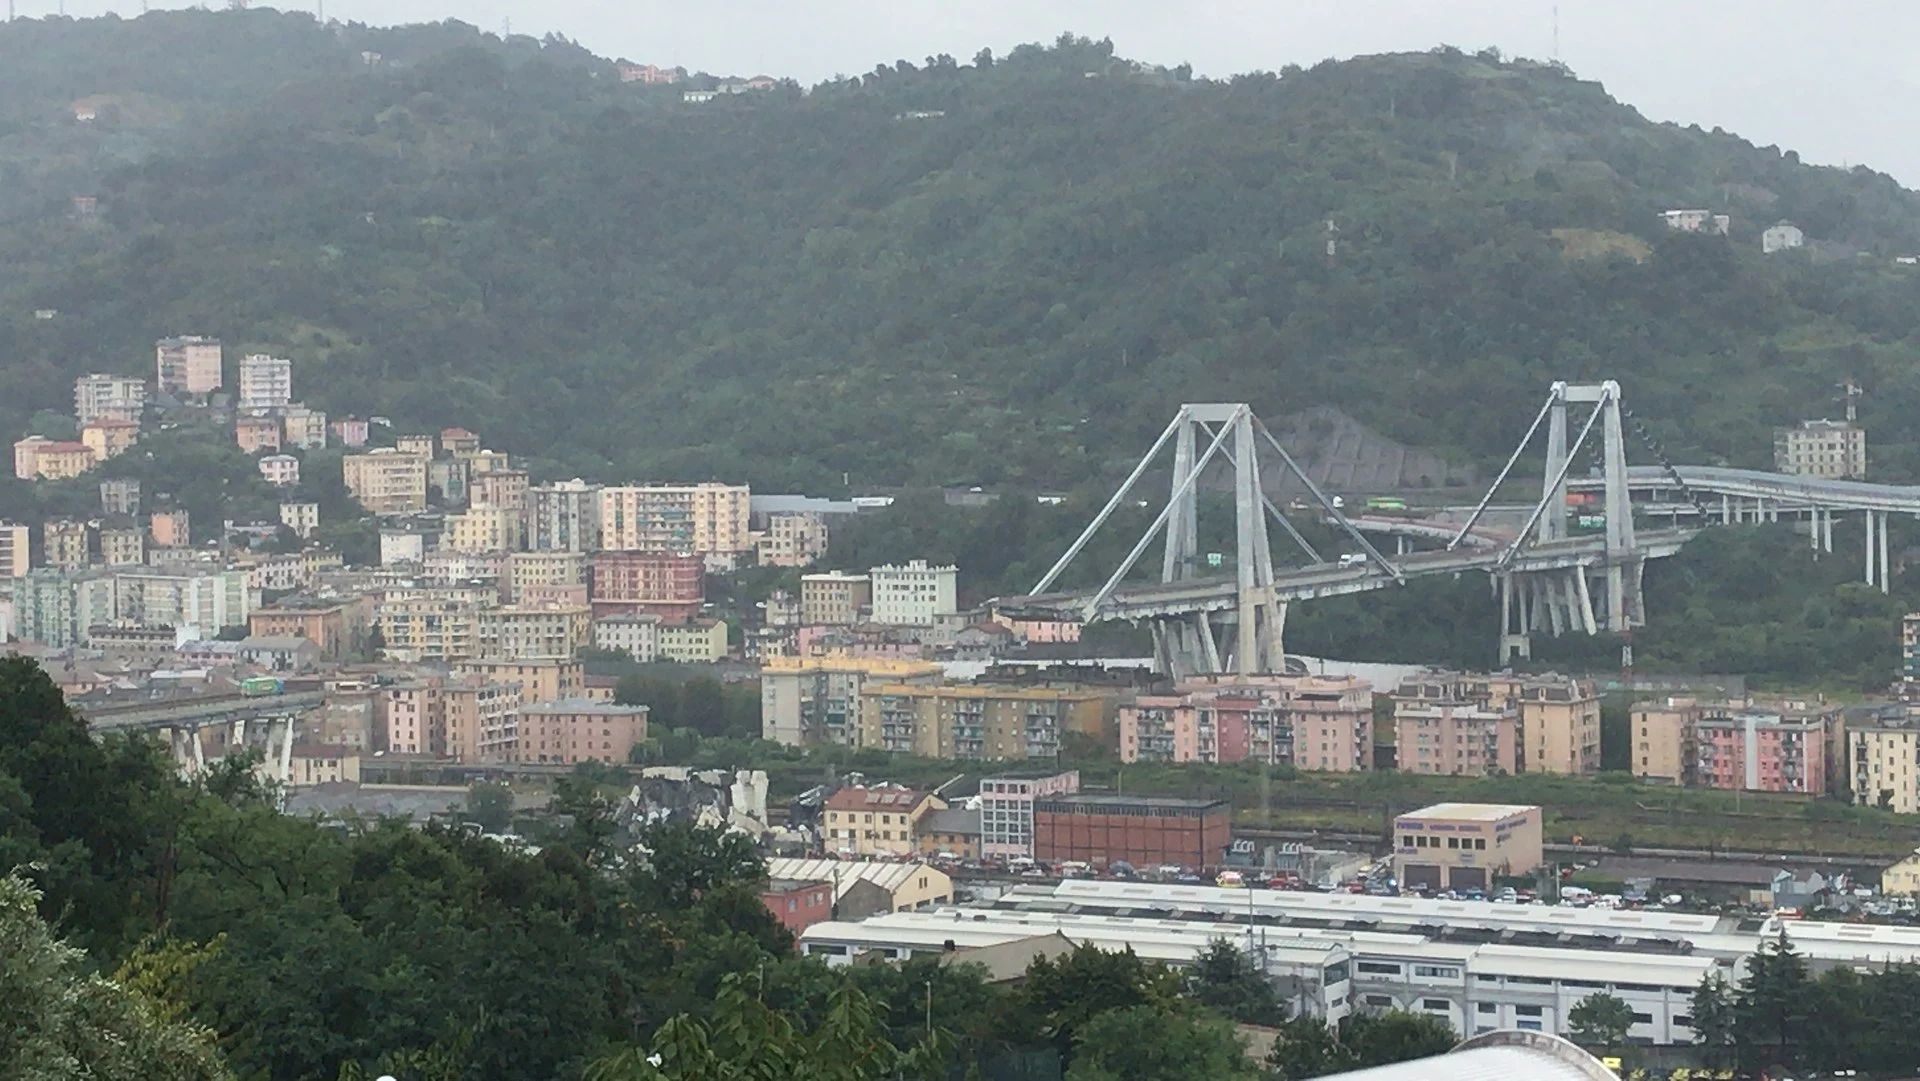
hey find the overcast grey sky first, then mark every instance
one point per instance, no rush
(1833, 79)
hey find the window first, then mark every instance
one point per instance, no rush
(1437, 972)
(1381, 1001)
(1437, 1005)
(1486, 1007)
(1683, 1020)
(1527, 1026)
(1526, 1011)
(1379, 968)
(1643, 1019)
(1480, 843)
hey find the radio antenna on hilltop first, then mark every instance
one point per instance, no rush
(1556, 33)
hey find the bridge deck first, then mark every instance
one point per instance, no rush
(188, 712)
(1776, 487)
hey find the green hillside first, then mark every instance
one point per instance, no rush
(1001, 272)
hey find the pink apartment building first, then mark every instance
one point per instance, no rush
(1309, 722)
(1761, 751)
(1443, 725)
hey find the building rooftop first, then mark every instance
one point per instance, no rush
(844, 873)
(862, 798)
(1172, 803)
(1472, 812)
(951, 820)
(570, 707)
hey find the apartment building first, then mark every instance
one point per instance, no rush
(339, 628)
(1883, 759)
(573, 730)
(502, 488)
(1447, 723)
(665, 584)
(479, 723)
(109, 437)
(537, 680)
(914, 594)
(187, 365)
(201, 602)
(65, 542)
(280, 470)
(1006, 809)
(636, 636)
(791, 539)
(171, 528)
(387, 481)
(1761, 750)
(410, 718)
(265, 382)
(456, 442)
(1829, 449)
(806, 701)
(483, 529)
(303, 428)
(16, 551)
(834, 599)
(1308, 722)
(120, 495)
(563, 517)
(524, 571)
(414, 444)
(514, 632)
(255, 434)
(303, 518)
(977, 721)
(876, 821)
(1661, 732)
(123, 547)
(696, 641)
(350, 431)
(448, 482)
(109, 397)
(39, 458)
(438, 624)
(706, 519)
(1559, 720)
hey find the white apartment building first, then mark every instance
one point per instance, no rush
(912, 595)
(637, 636)
(265, 382)
(15, 549)
(200, 604)
(302, 518)
(188, 365)
(108, 397)
(1830, 449)
(281, 470)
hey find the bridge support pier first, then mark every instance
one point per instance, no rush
(1878, 569)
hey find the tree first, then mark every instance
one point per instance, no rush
(1600, 1020)
(1395, 1036)
(59, 1021)
(1770, 1009)
(1063, 994)
(1307, 1047)
(1148, 1043)
(490, 806)
(1227, 979)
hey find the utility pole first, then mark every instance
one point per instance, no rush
(1850, 391)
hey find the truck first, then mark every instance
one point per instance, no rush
(261, 686)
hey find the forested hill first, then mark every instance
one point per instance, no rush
(1008, 270)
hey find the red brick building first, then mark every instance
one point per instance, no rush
(798, 905)
(1145, 831)
(665, 584)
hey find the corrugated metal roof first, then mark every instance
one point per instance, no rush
(844, 873)
(1496, 1056)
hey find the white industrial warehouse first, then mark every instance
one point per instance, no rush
(1482, 966)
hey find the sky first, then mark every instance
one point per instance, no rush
(1833, 80)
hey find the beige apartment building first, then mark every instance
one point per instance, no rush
(834, 599)
(525, 570)
(123, 547)
(979, 721)
(1883, 761)
(480, 724)
(170, 529)
(1559, 720)
(536, 680)
(791, 539)
(876, 821)
(1830, 449)
(66, 543)
(708, 518)
(108, 397)
(429, 624)
(109, 438)
(509, 633)
(409, 718)
(813, 700)
(39, 458)
(1478, 725)
(505, 489)
(580, 730)
(387, 481)
(337, 627)
(482, 530)
(187, 365)
(697, 641)
(302, 427)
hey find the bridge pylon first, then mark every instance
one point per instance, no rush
(1192, 642)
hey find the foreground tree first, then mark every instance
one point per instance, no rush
(1141, 1043)
(1713, 1020)
(1228, 980)
(57, 1021)
(1600, 1020)
(1771, 1009)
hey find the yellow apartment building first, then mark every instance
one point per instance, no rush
(386, 480)
(555, 633)
(707, 518)
(537, 680)
(981, 721)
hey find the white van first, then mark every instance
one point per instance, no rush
(1353, 559)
